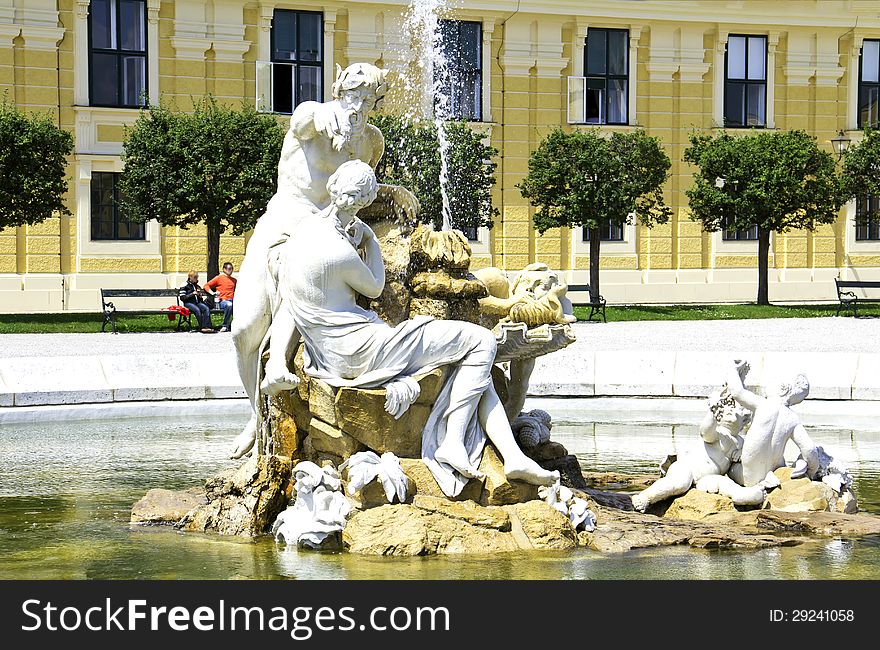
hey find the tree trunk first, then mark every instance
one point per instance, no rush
(595, 240)
(213, 250)
(763, 264)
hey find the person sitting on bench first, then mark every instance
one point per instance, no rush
(193, 298)
(223, 286)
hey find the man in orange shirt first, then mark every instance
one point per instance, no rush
(223, 288)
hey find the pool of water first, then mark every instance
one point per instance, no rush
(66, 490)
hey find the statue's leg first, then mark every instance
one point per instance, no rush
(741, 496)
(283, 338)
(517, 466)
(678, 480)
(252, 319)
(474, 372)
(520, 372)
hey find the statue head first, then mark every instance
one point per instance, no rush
(730, 416)
(536, 279)
(796, 390)
(352, 186)
(359, 88)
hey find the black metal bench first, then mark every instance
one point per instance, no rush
(597, 307)
(110, 309)
(848, 299)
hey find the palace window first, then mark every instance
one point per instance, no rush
(868, 218)
(743, 234)
(297, 58)
(610, 231)
(462, 44)
(603, 90)
(745, 82)
(869, 85)
(118, 53)
(107, 220)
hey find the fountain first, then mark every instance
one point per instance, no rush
(384, 419)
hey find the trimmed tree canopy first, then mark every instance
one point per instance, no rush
(216, 166)
(775, 181)
(33, 164)
(861, 170)
(584, 179)
(412, 160)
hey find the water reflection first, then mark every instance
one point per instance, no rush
(66, 490)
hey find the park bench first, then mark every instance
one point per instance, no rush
(849, 299)
(110, 309)
(597, 308)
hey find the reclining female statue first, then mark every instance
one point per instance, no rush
(332, 257)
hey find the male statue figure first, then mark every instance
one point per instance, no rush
(321, 137)
(773, 425)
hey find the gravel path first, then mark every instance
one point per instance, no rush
(769, 335)
(766, 335)
(64, 345)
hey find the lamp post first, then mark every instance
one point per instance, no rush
(840, 144)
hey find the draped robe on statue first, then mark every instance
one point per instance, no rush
(346, 345)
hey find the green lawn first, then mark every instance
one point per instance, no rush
(79, 323)
(718, 312)
(76, 323)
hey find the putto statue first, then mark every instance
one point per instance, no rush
(735, 464)
(773, 425)
(321, 137)
(706, 466)
(334, 257)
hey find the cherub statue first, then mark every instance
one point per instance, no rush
(707, 466)
(773, 425)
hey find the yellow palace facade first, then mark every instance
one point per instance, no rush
(523, 67)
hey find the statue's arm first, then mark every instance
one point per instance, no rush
(367, 276)
(807, 448)
(709, 429)
(739, 392)
(306, 121)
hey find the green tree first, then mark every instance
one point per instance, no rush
(412, 160)
(775, 181)
(33, 162)
(861, 172)
(216, 166)
(584, 179)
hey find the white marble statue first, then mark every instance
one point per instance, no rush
(366, 466)
(575, 508)
(321, 137)
(540, 297)
(320, 508)
(332, 258)
(707, 465)
(773, 425)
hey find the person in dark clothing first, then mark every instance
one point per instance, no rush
(193, 298)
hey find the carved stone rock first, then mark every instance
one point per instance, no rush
(468, 511)
(800, 495)
(422, 482)
(498, 491)
(410, 531)
(160, 506)
(243, 501)
(361, 414)
(330, 440)
(543, 526)
(695, 505)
